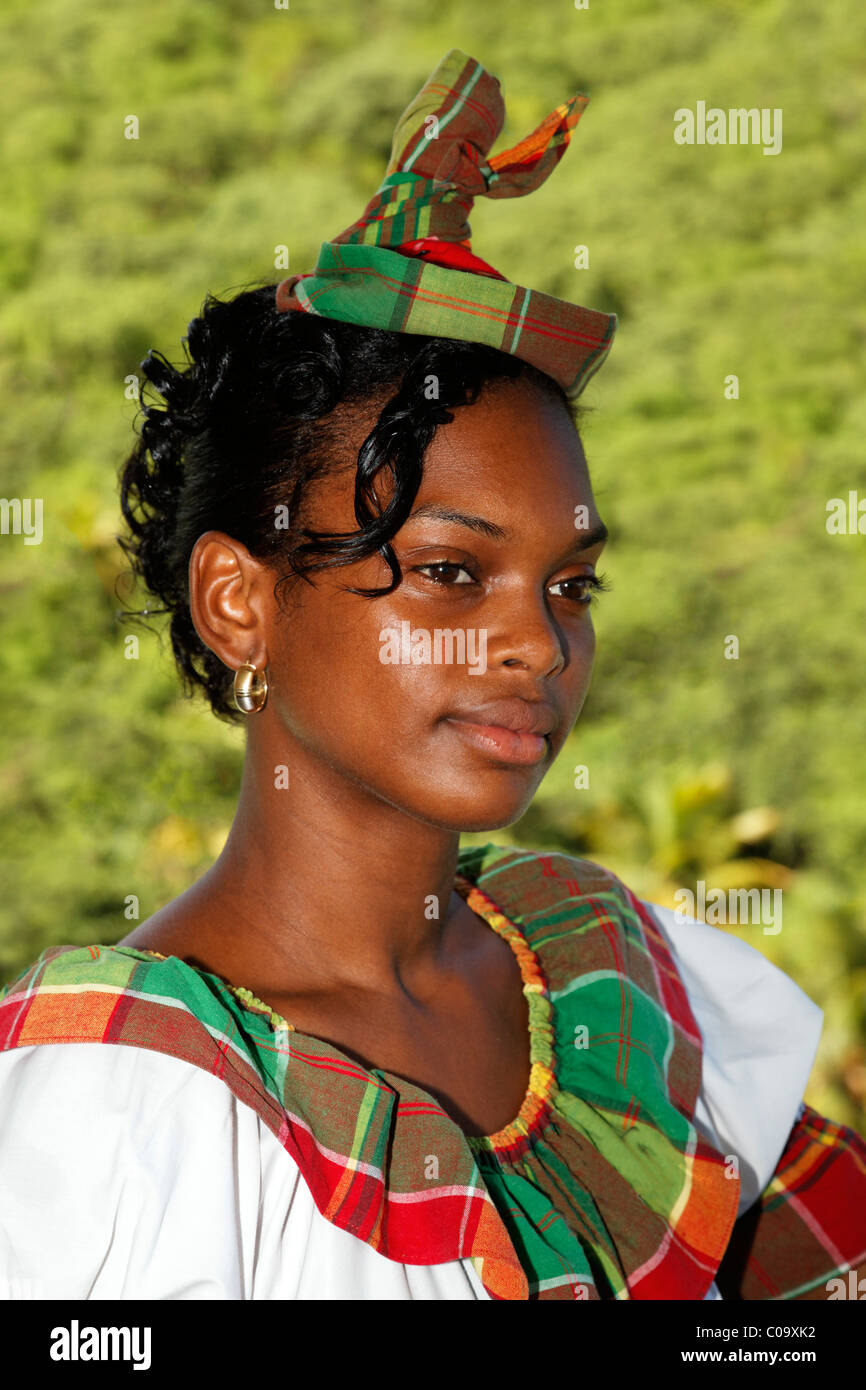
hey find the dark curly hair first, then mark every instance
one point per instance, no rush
(255, 414)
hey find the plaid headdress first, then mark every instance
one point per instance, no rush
(406, 264)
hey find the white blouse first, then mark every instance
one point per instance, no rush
(101, 1198)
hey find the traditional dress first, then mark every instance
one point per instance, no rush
(209, 1150)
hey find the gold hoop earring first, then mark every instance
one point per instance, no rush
(250, 688)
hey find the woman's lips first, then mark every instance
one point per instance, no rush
(503, 744)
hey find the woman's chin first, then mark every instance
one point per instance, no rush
(473, 815)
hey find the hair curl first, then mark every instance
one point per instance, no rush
(255, 414)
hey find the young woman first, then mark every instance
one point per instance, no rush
(352, 1061)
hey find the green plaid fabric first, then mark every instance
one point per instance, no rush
(600, 1189)
(406, 265)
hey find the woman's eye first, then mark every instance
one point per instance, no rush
(575, 588)
(449, 565)
(595, 583)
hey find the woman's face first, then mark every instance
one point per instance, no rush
(365, 687)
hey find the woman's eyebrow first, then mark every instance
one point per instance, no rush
(489, 528)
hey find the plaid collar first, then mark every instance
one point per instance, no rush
(601, 1188)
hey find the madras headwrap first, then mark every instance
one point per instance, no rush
(406, 264)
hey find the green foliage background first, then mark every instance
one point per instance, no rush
(261, 126)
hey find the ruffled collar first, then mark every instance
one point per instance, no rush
(601, 1186)
(515, 1138)
(604, 1183)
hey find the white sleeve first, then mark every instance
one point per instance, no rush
(760, 1034)
(129, 1174)
(114, 1182)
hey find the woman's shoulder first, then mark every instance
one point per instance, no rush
(536, 883)
(57, 1075)
(126, 1173)
(121, 1011)
(134, 1169)
(728, 980)
(549, 888)
(756, 1029)
(115, 993)
(579, 917)
(81, 1093)
(562, 899)
(504, 865)
(759, 1032)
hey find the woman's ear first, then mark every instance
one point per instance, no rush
(227, 588)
